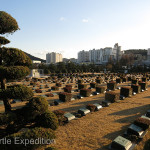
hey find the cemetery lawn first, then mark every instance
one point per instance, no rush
(140, 146)
(97, 130)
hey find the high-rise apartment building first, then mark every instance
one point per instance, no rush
(100, 56)
(117, 52)
(83, 56)
(53, 58)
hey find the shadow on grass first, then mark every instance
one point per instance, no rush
(141, 110)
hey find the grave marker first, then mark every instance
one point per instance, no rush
(69, 116)
(121, 143)
(135, 130)
(98, 106)
(83, 111)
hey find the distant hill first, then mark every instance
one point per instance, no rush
(35, 58)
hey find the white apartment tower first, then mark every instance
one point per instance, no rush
(53, 58)
(117, 52)
(100, 56)
(83, 56)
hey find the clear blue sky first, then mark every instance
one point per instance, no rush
(68, 26)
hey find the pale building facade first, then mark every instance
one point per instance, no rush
(53, 58)
(100, 56)
(83, 56)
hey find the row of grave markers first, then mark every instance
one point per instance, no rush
(133, 135)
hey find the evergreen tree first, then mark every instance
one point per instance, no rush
(14, 64)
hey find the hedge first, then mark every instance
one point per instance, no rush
(65, 97)
(48, 120)
(111, 85)
(126, 91)
(112, 97)
(85, 92)
(100, 89)
(30, 134)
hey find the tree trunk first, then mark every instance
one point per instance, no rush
(7, 105)
(3, 84)
(6, 101)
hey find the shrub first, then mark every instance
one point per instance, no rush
(132, 138)
(48, 120)
(60, 116)
(67, 89)
(112, 97)
(129, 78)
(38, 91)
(99, 81)
(144, 79)
(80, 81)
(65, 97)
(143, 123)
(126, 91)
(82, 86)
(30, 134)
(56, 88)
(58, 84)
(147, 145)
(91, 107)
(100, 89)
(85, 92)
(69, 85)
(143, 85)
(7, 118)
(124, 79)
(136, 88)
(134, 81)
(118, 80)
(93, 85)
(50, 95)
(111, 85)
(21, 92)
(35, 107)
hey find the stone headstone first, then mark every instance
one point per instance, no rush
(122, 97)
(98, 106)
(134, 93)
(105, 103)
(83, 111)
(69, 116)
(148, 113)
(135, 130)
(43, 95)
(17, 100)
(95, 93)
(54, 94)
(145, 117)
(57, 102)
(72, 99)
(121, 143)
(79, 96)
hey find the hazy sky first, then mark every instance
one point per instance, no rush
(68, 26)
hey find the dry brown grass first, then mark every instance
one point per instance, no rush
(97, 130)
(140, 146)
